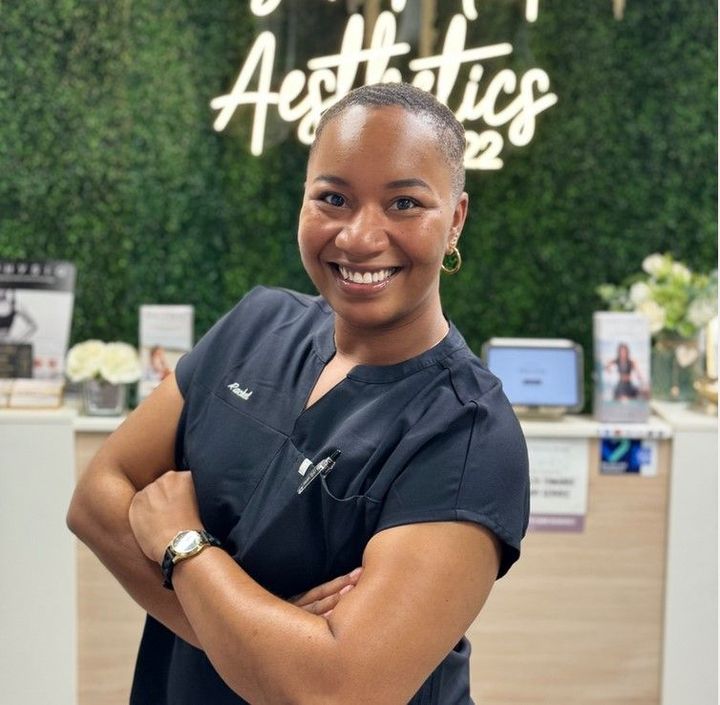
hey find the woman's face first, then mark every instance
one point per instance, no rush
(378, 216)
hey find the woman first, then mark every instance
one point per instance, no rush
(429, 488)
(626, 367)
(10, 312)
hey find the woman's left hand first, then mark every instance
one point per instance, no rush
(161, 509)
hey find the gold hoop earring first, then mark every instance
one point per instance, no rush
(454, 261)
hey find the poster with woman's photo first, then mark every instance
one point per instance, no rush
(622, 367)
(166, 334)
(36, 305)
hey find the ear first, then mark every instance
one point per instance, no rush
(458, 220)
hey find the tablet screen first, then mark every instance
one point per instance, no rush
(536, 376)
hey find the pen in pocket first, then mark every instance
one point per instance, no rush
(322, 468)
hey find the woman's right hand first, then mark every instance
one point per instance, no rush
(323, 599)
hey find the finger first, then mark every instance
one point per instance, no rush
(320, 606)
(342, 592)
(327, 604)
(321, 591)
(326, 589)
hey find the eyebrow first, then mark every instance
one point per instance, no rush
(399, 183)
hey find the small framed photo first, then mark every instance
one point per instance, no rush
(166, 334)
(622, 367)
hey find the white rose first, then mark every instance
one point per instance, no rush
(654, 313)
(701, 311)
(681, 272)
(120, 364)
(653, 264)
(639, 292)
(83, 360)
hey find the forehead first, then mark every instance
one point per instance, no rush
(386, 141)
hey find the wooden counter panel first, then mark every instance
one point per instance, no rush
(109, 622)
(578, 621)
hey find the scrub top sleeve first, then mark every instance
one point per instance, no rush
(477, 471)
(188, 363)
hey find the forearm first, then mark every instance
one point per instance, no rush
(98, 516)
(265, 649)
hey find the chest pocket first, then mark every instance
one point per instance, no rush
(348, 523)
(290, 542)
(228, 451)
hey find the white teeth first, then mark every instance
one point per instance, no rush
(365, 277)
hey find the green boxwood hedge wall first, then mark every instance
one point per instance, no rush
(108, 158)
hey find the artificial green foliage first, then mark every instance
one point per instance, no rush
(676, 301)
(108, 157)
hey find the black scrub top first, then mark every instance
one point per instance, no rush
(429, 439)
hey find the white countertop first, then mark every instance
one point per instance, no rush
(68, 414)
(666, 417)
(669, 416)
(683, 417)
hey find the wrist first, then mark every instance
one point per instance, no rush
(185, 545)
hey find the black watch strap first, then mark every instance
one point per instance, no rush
(168, 561)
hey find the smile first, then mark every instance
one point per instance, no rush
(377, 276)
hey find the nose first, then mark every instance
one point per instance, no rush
(364, 235)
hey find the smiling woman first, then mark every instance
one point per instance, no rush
(380, 212)
(320, 435)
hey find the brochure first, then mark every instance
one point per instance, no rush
(36, 305)
(622, 367)
(166, 334)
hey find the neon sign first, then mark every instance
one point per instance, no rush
(508, 100)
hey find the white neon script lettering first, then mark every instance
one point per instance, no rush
(508, 99)
(261, 8)
(531, 10)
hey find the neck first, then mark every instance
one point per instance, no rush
(392, 344)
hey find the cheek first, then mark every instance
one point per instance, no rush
(427, 245)
(312, 237)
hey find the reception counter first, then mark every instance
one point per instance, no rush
(619, 607)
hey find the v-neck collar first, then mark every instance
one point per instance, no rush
(324, 345)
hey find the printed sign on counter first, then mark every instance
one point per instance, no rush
(558, 483)
(36, 306)
(634, 456)
(166, 334)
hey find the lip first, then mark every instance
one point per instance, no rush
(361, 289)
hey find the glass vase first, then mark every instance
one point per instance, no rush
(101, 398)
(674, 368)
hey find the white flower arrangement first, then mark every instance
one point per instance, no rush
(676, 301)
(117, 363)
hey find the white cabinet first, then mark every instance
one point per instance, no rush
(38, 654)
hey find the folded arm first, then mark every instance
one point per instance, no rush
(421, 587)
(140, 451)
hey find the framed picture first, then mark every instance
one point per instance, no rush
(36, 306)
(622, 367)
(166, 334)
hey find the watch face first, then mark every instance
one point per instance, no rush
(186, 541)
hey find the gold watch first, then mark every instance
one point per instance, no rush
(184, 545)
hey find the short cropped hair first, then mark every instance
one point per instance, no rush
(450, 133)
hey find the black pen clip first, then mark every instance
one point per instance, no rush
(322, 468)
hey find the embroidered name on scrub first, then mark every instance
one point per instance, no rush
(244, 394)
